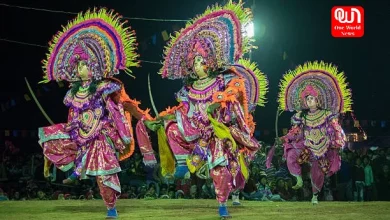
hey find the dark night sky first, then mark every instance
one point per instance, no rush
(299, 27)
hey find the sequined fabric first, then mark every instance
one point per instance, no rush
(314, 142)
(106, 187)
(88, 143)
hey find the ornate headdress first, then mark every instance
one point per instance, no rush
(318, 79)
(255, 83)
(216, 35)
(99, 38)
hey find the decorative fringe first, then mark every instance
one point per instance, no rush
(125, 37)
(311, 66)
(261, 78)
(167, 161)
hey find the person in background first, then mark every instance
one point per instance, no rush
(358, 178)
(368, 178)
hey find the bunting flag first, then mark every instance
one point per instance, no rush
(27, 97)
(165, 35)
(285, 131)
(14, 101)
(154, 39)
(356, 124)
(45, 88)
(285, 55)
(20, 133)
(383, 124)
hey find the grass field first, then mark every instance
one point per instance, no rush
(192, 209)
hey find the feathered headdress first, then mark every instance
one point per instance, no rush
(99, 38)
(319, 79)
(217, 35)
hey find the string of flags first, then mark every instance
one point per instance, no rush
(19, 133)
(12, 102)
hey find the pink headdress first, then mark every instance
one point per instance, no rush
(78, 54)
(199, 47)
(309, 90)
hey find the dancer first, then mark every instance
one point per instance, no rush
(87, 53)
(318, 92)
(210, 132)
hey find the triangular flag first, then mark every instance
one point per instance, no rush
(356, 124)
(60, 84)
(6, 133)
(15, 133)
(46, 88)
(284, 55)
(383, 124)
(27, 97)
(285, 130)
(165, 35)
(154, 39)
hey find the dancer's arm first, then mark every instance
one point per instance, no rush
(295, 131)
(338, 137)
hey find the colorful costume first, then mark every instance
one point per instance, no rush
(211, 130)
(97, 45)
(315, 136)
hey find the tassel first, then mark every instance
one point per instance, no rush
(167, 160)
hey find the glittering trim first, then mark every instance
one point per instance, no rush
(218, 161)
(43, 138)
(103, 172)
(112, 185)
(67, 167)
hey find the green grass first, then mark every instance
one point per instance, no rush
(192, 209)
